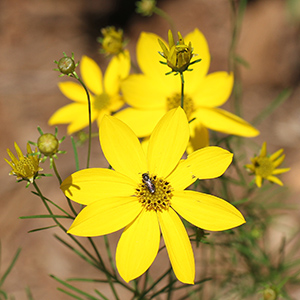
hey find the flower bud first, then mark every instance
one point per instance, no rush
(178, 55)
(146, 7)
(270, 294)
(48, 144)
(112, 41)
(66, 65)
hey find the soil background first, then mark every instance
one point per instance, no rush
(33, 33)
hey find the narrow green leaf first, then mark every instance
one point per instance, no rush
(10, 267)
(43, 228)
(45, 217)
(69, 294)
(75, 153)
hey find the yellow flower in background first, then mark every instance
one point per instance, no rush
(24, 167)
(265, 167)
(146, 194)
(152, 93)
(104, 93)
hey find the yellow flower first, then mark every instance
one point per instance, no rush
(105, 97)
(265, 167)
(178, 55)
(112, 41)
(27, 167)
(145, 194)
(153, 93)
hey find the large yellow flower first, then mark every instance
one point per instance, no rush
(145, 194)
(153, 93)
(104, 93)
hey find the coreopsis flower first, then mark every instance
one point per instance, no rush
(112, 41)
(152, 93)
(25, 167)
(104, 93)
(178, 55)
(145, 194)
(265, 167)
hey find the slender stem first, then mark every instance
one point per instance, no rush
(55, 171)
(109, 253)
(182, 90)
(90, 121)
(165, 16)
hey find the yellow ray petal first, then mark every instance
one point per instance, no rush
(76, 114)
(168, 142)
(143, 92)
(199, 136)
(138, 246)
(149, 60)
(178, 246)
(276, 159)
(214, 90)
(105, 216)
(89, 185)
(280, 171)
(275, 180)
(206, 211)
(91, 75)
(205, 163)
(200, 69)
(117, 70)
(122, 148)
(223, 121)
(258, 180)
(142, 122)
(73, 91)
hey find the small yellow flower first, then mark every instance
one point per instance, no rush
(265, 167)
(152, 93)
(112, 41)
(146, 194)
(178, 55)
(27, 167)
(105, 97)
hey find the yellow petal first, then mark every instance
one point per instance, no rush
(263, 150)
(178, 246)
(206, 211)
(205, 163)
(89, 185)
(149, 59)
(122, 148)
(168, 142)
(76, 114)
(258, 180)
(91, 75)
(200, 69)
(138, 246)
(12, 157)
(280, 171)
(223, 121)
(214, 90)
(275, 155)
(143, 92)
(73, 91)
(105, 216)
(142, 122)
(275, 180)
(199, 136)
(19, 151)
(117, 70)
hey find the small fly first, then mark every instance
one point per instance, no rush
(149, 183)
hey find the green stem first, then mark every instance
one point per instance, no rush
(90, 121)
(55, 171)
(165, 16)
(182, 90)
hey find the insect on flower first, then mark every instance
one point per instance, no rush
(149, 183)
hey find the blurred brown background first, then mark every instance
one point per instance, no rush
(33, 33)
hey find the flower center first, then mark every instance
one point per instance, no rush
(264, 167)
(25, 168)
(175, 101)
(101, 101)
(157, 200)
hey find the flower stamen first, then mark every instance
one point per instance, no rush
(160, 199)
